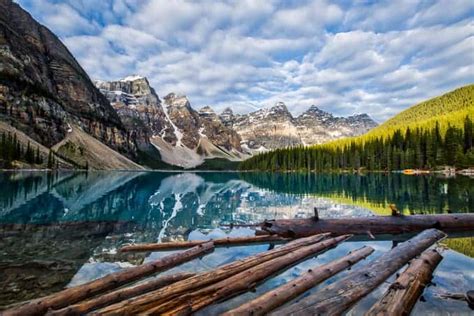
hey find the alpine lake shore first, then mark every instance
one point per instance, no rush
(72, 226)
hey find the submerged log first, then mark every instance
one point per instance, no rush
(468, 297)
(75, 294)
(402, 295)
(149, 300)
(84, 307)
(220, 242)
(283, 294)
(191, 302)
(343, 294)
(295, 228)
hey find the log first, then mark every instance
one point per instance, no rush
(220, 242)
(468, 297)
(141, 303)
(343, 294)
(403, 294)
(296, 228)
(84, 307)
(75, 294)
(192, 302)
(283, 294)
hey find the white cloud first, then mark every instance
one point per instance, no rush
(345, 57)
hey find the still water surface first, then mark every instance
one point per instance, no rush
(63, 229)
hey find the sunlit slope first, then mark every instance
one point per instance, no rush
(452, 106)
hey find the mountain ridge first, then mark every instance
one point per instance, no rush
(242, 134)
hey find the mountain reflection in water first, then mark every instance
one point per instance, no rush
(65, 227)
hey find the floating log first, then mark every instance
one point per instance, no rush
(84, 307)
(343, 294)
(403, 294)
(220, 242)
(75, 294)
(191, 302)
(149, 300)
(283, 294)
(373, 225)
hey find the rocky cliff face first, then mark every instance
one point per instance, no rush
(218, 133)
(44, 91)
(183, 136)
(267, 129)
(316, 126)
(139, 108)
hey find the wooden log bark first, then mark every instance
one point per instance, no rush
(296, 228)
(191, 302)
(220, 242)
(84, 307)
(343, 294)
(402, 295)
(75, 294)
(468, 297)
(283, 294)
(169, 293)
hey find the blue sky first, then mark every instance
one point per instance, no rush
(346, 57)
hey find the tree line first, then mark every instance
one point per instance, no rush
(11, 149)
(410, 148)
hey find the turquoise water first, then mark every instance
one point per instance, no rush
(60, 229)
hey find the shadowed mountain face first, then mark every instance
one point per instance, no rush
(44, 91)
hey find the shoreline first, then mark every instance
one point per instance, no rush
(416, 173)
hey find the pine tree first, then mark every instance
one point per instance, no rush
(50, 160)
(38, 159)
(468, 134)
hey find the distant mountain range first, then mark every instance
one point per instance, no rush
(186, 137)
(49, 102)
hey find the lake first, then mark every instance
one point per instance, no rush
(64, 228)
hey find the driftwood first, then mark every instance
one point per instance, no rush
(75, 294)
(119, 295)
(373, 225)
(220, 242)
(239, 283)
(144, 302)
(283, 294)
(468, 297)
(403, 294)
(343, 294)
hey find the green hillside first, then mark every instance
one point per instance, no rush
(430, 134)
(451, 107)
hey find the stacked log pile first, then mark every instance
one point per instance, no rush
(129, 292)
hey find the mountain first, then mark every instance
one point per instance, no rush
(139, 108)
(53, 115)
(46, 94)
(316, 126)
(180, 135)
(187, 138)
(428, 135)
(275, 127)
(267, 128)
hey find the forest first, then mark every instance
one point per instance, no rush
(409, 148)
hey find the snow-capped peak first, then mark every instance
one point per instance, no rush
(132, 78)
